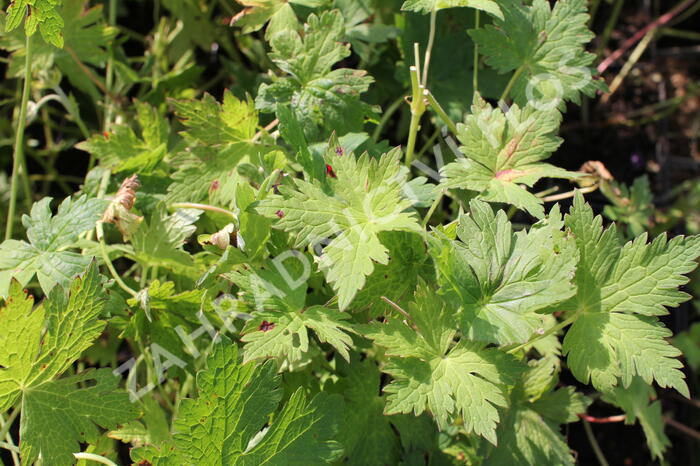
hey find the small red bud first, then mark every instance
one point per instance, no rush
(330, 172)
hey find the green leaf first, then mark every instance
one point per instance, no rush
(633, 205)
(501, 279)
(59, 415)
(634, 400)
(504, 153)
(221, 139)
(319, 96)
(367, 434)
(211, 123)
(159, 241)
(279, 14)
(36, 346)
(42, 14)
(158, 312)
(363, 200)
(433, 373)
(123, 151)
(276, 296)
(46, 255)
(226, 423)
(529, 436)
(85, 37)
(396, 280)
(426, 6)
(544, 46)
(622, 288)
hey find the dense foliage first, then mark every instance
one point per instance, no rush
(265, 276)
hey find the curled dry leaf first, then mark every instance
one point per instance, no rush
(119, 210)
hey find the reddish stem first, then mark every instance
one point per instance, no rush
(602, 420)
(660, 21)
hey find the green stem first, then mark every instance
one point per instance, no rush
(432, 209)
(552, 330)
(7, 424)
(594, 443)
(609, 26)
(592, 10)
(8, 446)
(386, 117)
(511, 83)
(18, 157)
(417, 110)
(412, 134)
(429, 49)
(440, 111)
(108, 262)
(475, 74)
(194, 205)
(94, 457)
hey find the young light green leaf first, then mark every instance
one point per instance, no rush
(504, 153)
(46, 255)
(433, 373)
(36, 346)
(224, 424)
(633, 206)
(318, 96)
(501, 279)
(544, 47)
(621, 291)
(39, 14)
(364, 199)
(72, 324)
(426, 6)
